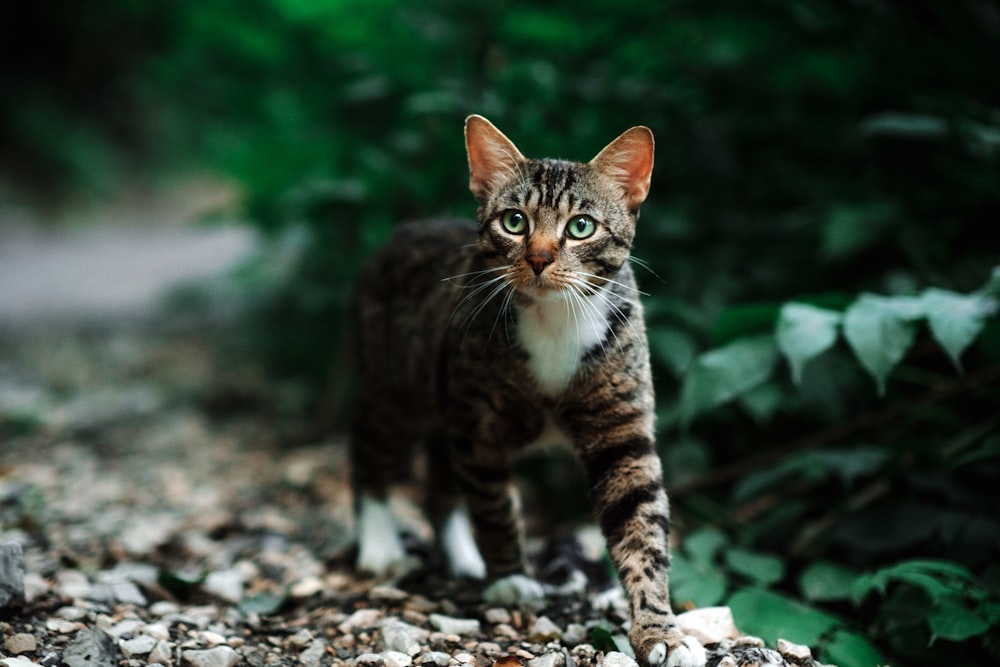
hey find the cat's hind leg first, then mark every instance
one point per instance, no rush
(380, 459)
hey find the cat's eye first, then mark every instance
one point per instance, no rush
(514, 222)
(581, 227)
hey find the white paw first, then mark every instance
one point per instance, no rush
(379, 546)
(460, 546)
(515, 589)
(689, 654)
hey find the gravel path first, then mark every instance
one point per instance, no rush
(158, 506)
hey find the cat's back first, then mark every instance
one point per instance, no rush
(418, 255)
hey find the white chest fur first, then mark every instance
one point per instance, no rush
(556, 333)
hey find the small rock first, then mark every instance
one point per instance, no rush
(17, 662)
(312, 656)
(162, 653)
(372, 659)
(91, 648)
(139, 645)
(362, 618)
(455, 626)
(435, 658)
(301, 638)
(157, 631)
(163, 608)
(575, 633)
(464, 658)
(616, 659)
(709, 625)
(11, 576)
(62, 626)
(387, 594)
(400, 636)
(213, 638)
(305, 588)
(553, 659)
(794, 653)
(22, 642)
(497, 615)
(220, 656)
(749, 640)
(127, 627)
(504, 630)
(34, 586)
(226, 584)
(544, 630)
(396, 659)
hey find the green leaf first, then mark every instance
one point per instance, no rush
(702, 545)
(956, 319)
(880, 330)
(761, 568)
(723, 374)
(763, 401)
(672, 347)
(850, 649)
(937, 578)
(264, 603)
(602, 639)
(953, 619)
(804, 332)
(772, 615)
(744, 320)
(826, 581)
(700, 583)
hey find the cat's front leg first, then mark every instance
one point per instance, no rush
(631, 503)
(487, 484)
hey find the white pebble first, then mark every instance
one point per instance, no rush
(139, 645)
(455, 626)
(616, 659)
(220, 656)
(161, 653)
(396, 659)
(435, 658)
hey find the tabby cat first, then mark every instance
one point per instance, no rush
(479, 341)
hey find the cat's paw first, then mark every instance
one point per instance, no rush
(460, 547)
(681, 651)
(515, 589)
(380, 549)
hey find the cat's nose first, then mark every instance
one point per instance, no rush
(539, 259)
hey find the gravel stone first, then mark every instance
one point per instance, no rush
(312, 656)
(226, 585)
(544, 630)
(362, 618)
(21, 642)
(91, 648)
(616, 659)
(455, 626)
(497, 615)
(372, 659)
(163, 652)
(140, 645)
(403, 637)
(438, 658)
(794, 653)
(396, 659)
(11, 576)
(17, 662)
(220, 656)
(552, 659)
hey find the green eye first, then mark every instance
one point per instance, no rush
(514, 222)
(581, 227)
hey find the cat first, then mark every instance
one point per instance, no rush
(481, 340)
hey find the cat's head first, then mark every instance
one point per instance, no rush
(557, 225)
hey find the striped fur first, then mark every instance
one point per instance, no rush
(479, 340)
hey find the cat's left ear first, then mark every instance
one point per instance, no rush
(628, 160)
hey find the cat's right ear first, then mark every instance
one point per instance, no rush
(493, 158)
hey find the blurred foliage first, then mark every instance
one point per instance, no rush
(822, 166)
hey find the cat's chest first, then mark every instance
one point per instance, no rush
(556, 335)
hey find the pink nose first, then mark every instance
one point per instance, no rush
(539, 259)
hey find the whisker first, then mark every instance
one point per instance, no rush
(612, 282)
(481, 272)
(644, 264)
